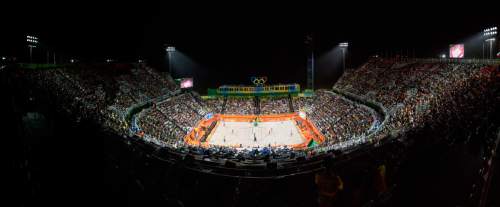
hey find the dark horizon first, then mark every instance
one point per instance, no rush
(234, 45)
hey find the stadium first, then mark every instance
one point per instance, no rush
(172, 135)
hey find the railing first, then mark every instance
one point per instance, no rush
(258, 90)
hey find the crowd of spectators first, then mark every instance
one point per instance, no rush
(303, 104)
(102, 92)
(157, 125)
(414, 93)
(240, 106)
(274, 105)
(418, 93)
(183, 110)
(216, 105)
(339, 119)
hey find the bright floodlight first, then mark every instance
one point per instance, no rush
(170, 49)
(344, 44)
(31, 40)
(492, 31)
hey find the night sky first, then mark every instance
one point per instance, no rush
(223, 44)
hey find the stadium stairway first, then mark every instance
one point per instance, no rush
(197, 98)
(290, 104)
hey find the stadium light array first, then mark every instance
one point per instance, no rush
(344, 44)
(492, 31)
(170, 49)
(32, 42)
(489, 35)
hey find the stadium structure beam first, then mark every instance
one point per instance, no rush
(343, 47)
(170, 51)
(310, 61)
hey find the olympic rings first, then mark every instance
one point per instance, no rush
(259, 81)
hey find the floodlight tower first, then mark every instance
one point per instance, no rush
(489, 36)
(343, 47)
(310, 61)
(170, 52)
(32, 43)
